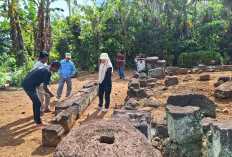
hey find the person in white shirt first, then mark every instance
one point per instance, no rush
(44, 97)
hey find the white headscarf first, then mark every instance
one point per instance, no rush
(103, 69)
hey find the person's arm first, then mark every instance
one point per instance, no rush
(73, 70)
(46, 81)
(47, 90)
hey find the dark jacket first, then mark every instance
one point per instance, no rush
(107, 82)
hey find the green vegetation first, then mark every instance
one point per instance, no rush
(182, 32)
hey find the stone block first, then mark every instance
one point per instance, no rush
(153, 104)
(143, 83)
(206, 122)
(171, 81)
(131, 104)
(141, 93)
(66, 118)
(218, 83)
(219, 141)
(204, 78)
(172, 70)
(156, 73)
(141, 120)
(151, 62)
(162, 129)
(143, 76)
(52, 135)
(151, 80)
(224, 91)
(207, 106)
(161, 63)
(183, 71)
(136, 75)
(224, 78)
(184, 124)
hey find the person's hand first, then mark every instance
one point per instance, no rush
(71, 75)
(51, 95)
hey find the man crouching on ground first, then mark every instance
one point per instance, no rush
(33, 80)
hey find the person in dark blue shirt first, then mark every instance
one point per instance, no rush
(33, 80)
(66, 72)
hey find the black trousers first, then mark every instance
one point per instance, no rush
(101, 91)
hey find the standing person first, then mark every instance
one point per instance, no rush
(105, 82)
(43, 58)
(120, 63)
(66, 72)
(33, 80)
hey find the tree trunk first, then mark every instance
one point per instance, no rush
(16, 35)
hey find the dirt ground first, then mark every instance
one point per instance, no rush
(20, 137)
(192, 85)
(18, 134)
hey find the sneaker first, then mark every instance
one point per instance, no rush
(57, 99)
(98, 107)
(47, 111)
(104, 110)
(42, 124)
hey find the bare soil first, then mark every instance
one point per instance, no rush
(20, 137)
(18, 134)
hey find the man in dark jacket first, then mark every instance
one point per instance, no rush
(33, 80)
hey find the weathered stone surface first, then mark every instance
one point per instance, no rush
(171, 81)
(219, 141)
(141, 93)
(202, 67)
(151, 80)
(185, 150)
(162, 129)
(224, 78)
(105, 138)
(66, 118)
(224, 91)
(131, 93)
(153, 104)
(161, 63)
(52, 135)
(207, 106)
(156, 73)
(184, 124)
(90, 84)
(218, 83)
(183, 71)
(143, 76)
(206, 122)
(135, 84)
(172, 70)
(226, 67)
(143, 82)
(136, 75)
(152, 85)
(151, 62)
(81, 99)
(131, 104)
(141, 120)
(204, 78)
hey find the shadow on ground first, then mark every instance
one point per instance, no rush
(12, 134)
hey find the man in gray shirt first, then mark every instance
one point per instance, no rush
(43, 96)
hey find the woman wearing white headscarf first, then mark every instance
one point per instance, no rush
(105, 82)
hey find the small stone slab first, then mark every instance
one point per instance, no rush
(52, 135)
(204, 78)
(66, 118)
(172, 70)
(136, 75)
(143, 76)
(162, 129)
(135, 84)
(206, 122)
(224, 78)
(171, 81)
(131, 104)
(224, 91)
(143, 83)
(153, 104)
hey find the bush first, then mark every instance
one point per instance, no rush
(55, 78)
(189, 60)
